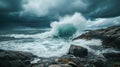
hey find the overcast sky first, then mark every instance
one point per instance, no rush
(28, 12)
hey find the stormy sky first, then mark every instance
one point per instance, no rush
(39, 13)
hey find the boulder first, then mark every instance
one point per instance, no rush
(78, 51)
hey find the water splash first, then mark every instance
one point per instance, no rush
(68, 25)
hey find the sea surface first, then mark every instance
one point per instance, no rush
(54, 41)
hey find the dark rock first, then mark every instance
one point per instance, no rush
(15, 55)
(78, 51)
(14, 63)
(112, 64)
(15, 58)
(98, 63)
(4, 63)
(17, 63)
(112, 56)
(110, 36)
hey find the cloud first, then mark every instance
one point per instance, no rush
(103, 8)
(53, 7)
(46, 11)
(10, 5)
(56, 8)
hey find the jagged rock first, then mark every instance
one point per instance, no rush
(110, 36)
(112, 56)
(98, 63)
(78, 51)
(15, 58)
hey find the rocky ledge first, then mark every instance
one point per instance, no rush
(10, 58)
(110, 36)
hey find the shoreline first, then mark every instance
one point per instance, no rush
(76, 57)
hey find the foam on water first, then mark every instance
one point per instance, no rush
(103, 23)
(43, 48)
(46, 45)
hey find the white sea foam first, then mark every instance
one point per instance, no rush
(69, 24)
(103, 22)
(45, 45)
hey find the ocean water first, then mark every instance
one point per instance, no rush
(41, 43)
(55, 41)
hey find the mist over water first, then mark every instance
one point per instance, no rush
(51, 42)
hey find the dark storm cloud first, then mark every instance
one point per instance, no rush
(89, 8)
(12, 21)
(39, 13)
(10, 5)
(103, 8)
(10, 16)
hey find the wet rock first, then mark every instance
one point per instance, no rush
(72, 60)
(66, 59)
(112, 42)
(15, 55)
(98, 63)
(15, 58)
(44, 62)
(38, 65)
(60, 65)
(110, 36)
(112, 64)
(15, 63)
(72, 64)
(78, 51)
(112, 56)
(54, 66)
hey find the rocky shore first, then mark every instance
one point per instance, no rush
(110, 36)
(77, 56)
(10, 58)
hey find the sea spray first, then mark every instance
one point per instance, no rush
(68, 25)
